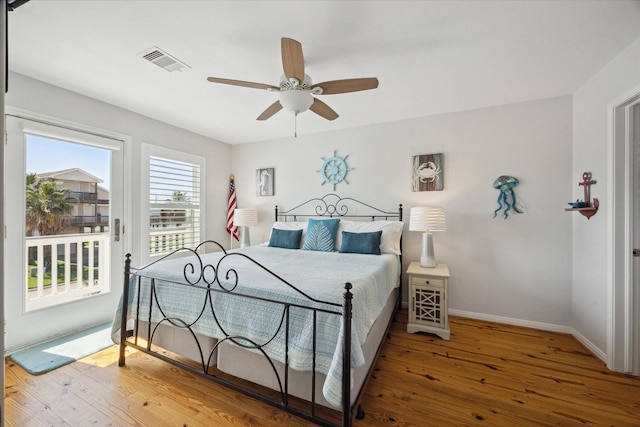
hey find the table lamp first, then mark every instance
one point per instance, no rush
(245, 218)
(427, 219)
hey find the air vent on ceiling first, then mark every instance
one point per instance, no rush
(162, 59)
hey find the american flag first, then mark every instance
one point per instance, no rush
(231, 206)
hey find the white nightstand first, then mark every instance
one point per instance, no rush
(428, 300)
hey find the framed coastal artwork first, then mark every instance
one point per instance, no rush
(264, 182)
(427, 172)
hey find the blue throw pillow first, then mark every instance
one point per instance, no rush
(288, 239)
(361, 243)
(321, 235)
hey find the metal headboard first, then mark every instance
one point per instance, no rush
(331, 205)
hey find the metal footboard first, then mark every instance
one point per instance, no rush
(207, 279)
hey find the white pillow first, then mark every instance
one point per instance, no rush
(391, 233)
(291, 225)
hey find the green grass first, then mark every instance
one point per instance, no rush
(33, 279)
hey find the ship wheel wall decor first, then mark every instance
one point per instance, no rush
(334, 170)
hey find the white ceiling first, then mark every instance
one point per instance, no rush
(430, 57)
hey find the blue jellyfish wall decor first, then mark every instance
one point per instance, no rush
(507, 196)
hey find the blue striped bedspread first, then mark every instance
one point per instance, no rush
(320, 275)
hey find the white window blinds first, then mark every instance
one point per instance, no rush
(174, 205)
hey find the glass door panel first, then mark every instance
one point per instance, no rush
(67, 211)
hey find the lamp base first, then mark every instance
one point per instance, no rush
(427, 256)
(245, 238)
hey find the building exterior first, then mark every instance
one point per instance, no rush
(90, 201)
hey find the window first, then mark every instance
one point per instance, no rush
(174, 210)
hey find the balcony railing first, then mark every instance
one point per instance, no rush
(84, 197)
(89, 220)
(168, 240)
(66, 267)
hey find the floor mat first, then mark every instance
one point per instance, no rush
(62, 351)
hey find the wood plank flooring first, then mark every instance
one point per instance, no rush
(488, 374)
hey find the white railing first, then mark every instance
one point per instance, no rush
(65, 267)
(165, 240)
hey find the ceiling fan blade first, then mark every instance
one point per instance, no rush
(323, 110)
(292, 59)
(347, 85)
(241, 83)
(273, 108)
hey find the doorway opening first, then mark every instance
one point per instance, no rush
(624, 336)
(63, 215)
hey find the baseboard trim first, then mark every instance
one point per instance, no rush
(590, 346)
(511, 321)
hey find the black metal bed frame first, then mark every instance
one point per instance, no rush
(221, 279)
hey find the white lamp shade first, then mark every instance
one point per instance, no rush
(245, 217)
(427, 218)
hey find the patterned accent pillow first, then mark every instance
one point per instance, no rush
(321, 235)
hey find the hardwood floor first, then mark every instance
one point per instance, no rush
(488, 374)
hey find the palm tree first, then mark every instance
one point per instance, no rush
(179, 197)
(46, 206)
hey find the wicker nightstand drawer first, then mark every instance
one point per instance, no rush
(426, 281)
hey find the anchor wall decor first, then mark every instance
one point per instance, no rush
(585, 207)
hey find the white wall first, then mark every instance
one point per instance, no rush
(592, 104)
(43, 99)
(518, 268)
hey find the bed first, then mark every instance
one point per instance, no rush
(276, 320)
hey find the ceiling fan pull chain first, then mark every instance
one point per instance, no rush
(295, 125)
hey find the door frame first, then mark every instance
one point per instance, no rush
(125, 237)
(623, 316)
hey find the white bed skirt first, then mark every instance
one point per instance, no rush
(241, 363)
(179, 341)
(254, 367)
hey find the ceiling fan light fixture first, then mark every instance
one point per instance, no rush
(296, 101)
(297, 93)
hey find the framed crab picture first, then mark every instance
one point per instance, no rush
(427, 172)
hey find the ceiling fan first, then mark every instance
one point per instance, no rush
(296, 91)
